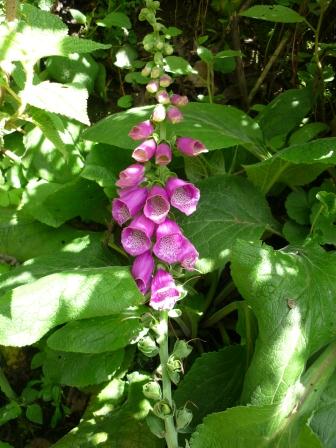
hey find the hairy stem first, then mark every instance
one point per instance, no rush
(171, 434)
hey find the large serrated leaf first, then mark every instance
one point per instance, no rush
(229, 208)
(79, 369)
(96, 335)
(61, 99)
(245, 427)
(30, 311)
(227, 370)
(215, 125)
(107, 424)
(292, 295)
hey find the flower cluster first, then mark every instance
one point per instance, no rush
(146, 198)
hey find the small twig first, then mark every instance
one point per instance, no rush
(10, 10)
(268, 66)
(10, 155)
(239, 61)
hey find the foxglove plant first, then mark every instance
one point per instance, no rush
(148, 192)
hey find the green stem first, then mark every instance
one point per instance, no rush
(6, 387)
(228, 289)
(209, 86)
(171, 434)
(220, 314)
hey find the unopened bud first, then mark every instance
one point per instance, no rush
(159, 113)
(162, 97)
(165, 81)
(152, 86)
(155, 72)
(152, 390)
(146, 71)
(158, 58)
(162, 409)
(174, 367)
(168, 49)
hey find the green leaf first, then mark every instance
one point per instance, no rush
(284, 289)
(78, 16)
(298, 206)
(215, 125)
(77, 69)
(178, 66)
(323, 421)
(251, 426)
(59, 98)
(104, 163)
(273, 13)
(83, 252)
(9, 412)
(219, 126)
(26, 315)
(320, 151)
(34, 413)
(172, 31)
(125, 101)
(23, 238)
(109, 424)
(307, 133)
(276, 170)
(81, 370)
(42, 142)
(54, 204)
(117, 19)
(205, 55)
(294, 104)
(294, 233)
(227, 369)
(40, 34)
(125, 57)
(113, 130)
(230, 208)
(96, 335)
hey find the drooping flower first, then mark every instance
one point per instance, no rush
(163, 154)
(136, 238)
(142, 271)
(145, 151)
(157, 205)
(174, 115)
(141, 130)
(131, 176)
(128, 205)
(189, 255)
(162, 97)
(190, 146)
(183, 195)
(153, 86)
(169, 242)
(164, 292)
(178, 100)
(159, 113)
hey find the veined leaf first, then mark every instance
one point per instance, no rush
(79, 369)
(59, 98)
(215, 125)
(97, 335)
(230, 208)
(30, 311)
(285, 290)
(273, 13)
(227, 369)
(111, 425)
